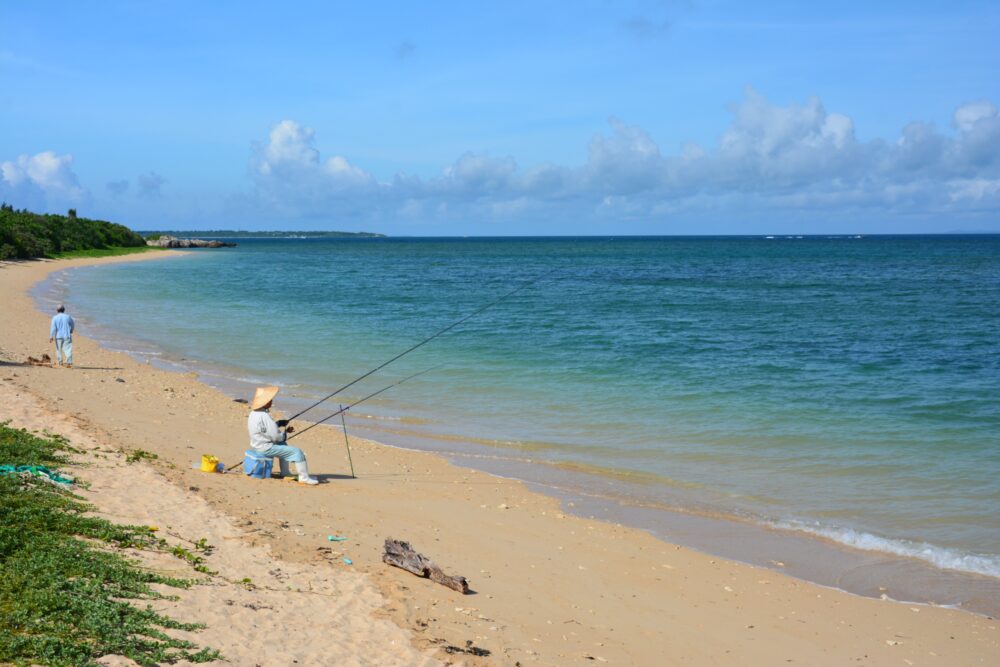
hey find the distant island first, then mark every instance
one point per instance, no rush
(238, 234)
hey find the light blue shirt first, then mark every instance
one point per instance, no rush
(62, 326)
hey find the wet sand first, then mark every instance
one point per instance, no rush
(549, 588)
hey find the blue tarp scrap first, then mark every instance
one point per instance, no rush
(40, 472)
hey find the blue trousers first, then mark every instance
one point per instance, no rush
(285, 453)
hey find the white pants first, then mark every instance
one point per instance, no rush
(64, 348)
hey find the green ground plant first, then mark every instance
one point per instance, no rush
(105, 252)
(140, 454)
(67, 597)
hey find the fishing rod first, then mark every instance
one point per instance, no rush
(424, 342)
(344, 409)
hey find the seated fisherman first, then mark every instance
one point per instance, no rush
(267, 440)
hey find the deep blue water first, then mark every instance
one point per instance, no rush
(844, 386)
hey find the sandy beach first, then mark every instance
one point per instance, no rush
(548, 588)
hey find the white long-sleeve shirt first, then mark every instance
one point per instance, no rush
(264, 431)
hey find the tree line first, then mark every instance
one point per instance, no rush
(24, 234)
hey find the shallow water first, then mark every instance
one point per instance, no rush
(842, 387)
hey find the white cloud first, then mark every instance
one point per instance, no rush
(40, 181)
(968, 116)
(918, 147)
(290, 176)
(975, 189)
(48, 171)
(290, 144)
(628, 161)
(979, 139)
(771, 157)
(476, 175)
(769, 145)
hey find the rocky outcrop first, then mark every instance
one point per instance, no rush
(174, 242)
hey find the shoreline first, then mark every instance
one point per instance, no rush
(619, 590)
(832, 556)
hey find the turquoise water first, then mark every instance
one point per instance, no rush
(845, 387)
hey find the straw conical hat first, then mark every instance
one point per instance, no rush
(262, 397)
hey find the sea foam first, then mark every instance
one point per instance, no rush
(941, 557)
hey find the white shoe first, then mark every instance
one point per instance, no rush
(311, 481)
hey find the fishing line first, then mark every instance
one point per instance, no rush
(428, 339)
(343, 409)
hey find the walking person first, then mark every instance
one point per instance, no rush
(266, 439)
(61, 332)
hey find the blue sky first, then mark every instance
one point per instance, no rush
(488, 118)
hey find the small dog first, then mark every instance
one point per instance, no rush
(46, 360)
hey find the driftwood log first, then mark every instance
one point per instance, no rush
(400, 554)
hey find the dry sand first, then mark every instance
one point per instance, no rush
(548, 588)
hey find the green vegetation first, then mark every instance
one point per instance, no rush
(64, 592)
(237, 234)
(193, 559)
(140, 454)
(106, 252)
(24, 234)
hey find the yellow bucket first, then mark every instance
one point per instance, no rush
(209, 463)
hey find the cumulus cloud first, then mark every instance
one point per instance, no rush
(771, 157)
(149, 185)
(289, 174)
(768, 143)
(477, 175)
(47, 171)
(40, 181)
(979, 142)
(625, 162)
(290, 153)
(975, 189)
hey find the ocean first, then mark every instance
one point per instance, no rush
(834, 399)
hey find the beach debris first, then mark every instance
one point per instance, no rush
(38, 472)
(335, 538)
(240, 400)
(44, 360)
(400, 554)
(348, 561)
(119, 380)
(469, 649)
